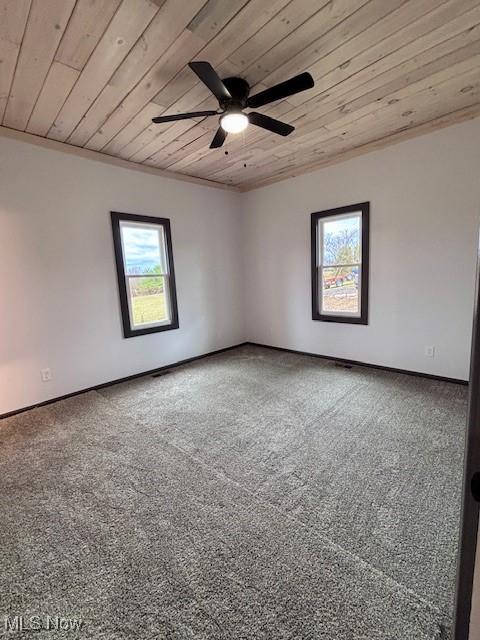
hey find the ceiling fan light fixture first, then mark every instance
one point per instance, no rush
(234, 122)
(233, 95)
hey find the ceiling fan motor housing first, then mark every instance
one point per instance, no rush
(239, 89)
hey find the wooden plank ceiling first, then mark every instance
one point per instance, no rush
(92, 73)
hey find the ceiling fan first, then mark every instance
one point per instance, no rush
(233, 96)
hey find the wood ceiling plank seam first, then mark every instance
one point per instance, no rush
(263, 167)
(214, 16)
(265, 154)
(129, 22)
(187, 157)
(344, 101)
(178, 54)
(403, 68)
(59, 82)
(372, 45)
(246, 157)
(372, 13)
(85, 15)
(370, 134)
(348, 25)
(9, 56)
(261, 14)
(217, 42)
(369, 101)
(450, 117)
(279, 146)
(295, 14)
(391, 125)
(402, 37)
(155, 143)
(436, 31)
(209, 45)
(45, 25)
(148, 135)
(251, 138)
(397, 96)
(425, 88)
(112, 93)
(339, 148)
(390, 92)
(13, 19)
(444, 121)
(194, 145)
(395, 119)
(44, 88)
(10, 46)
(148, 142)
(201, 131)
(207, 53)
(390, 129)
(179, 85)
(149, 111)
(310, 36)
(364, 40)
(195, 152)
(48, 121)
(98, 142)
(198, 92)
(213, 159)
(197, 149)
(422, 112)
(161, 139)
(160, 34)
(122, 140)
(140, 138)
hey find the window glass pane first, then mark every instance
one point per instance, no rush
(341, 240)
(340, 289)
(148, 300)
(143, 249)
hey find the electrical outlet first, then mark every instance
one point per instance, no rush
(430, 351)
(46, 374)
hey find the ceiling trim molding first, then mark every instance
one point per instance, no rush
(442, 122)
(47, 143)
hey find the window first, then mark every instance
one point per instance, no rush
(340, 264)
(146, 278)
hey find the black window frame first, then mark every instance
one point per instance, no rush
(364, 209)
(116, 218)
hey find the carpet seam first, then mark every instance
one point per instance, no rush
(314, 532)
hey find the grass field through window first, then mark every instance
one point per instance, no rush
(149, 309)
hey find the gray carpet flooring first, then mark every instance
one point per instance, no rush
(250, 495)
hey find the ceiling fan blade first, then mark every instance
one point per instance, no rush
(282, 90)
(260, 120)
(218, 139)
(183, 116)
(209, 77)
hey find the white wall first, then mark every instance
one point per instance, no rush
(58, 291)
(59, 304)
(425, 209)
